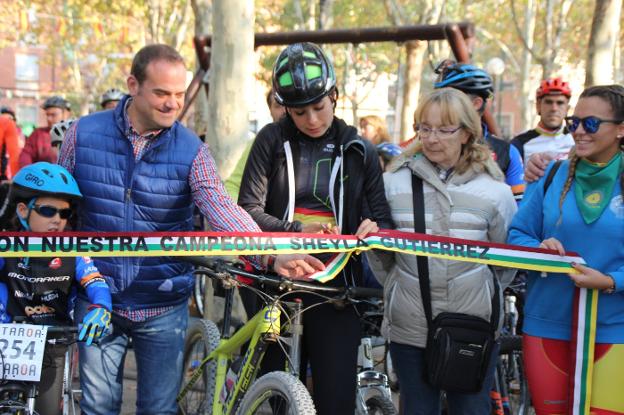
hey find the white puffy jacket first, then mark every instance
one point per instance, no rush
(472, 205)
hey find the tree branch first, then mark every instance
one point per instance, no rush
(526, 46)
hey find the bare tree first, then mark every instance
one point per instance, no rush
(555, 23)
(414, 53)
(202, 11)
(601, 50)
(168, 22)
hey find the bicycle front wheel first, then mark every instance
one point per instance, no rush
(201, 339)
(380, 405)
(277, 393)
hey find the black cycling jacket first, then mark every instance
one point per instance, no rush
(266, 194)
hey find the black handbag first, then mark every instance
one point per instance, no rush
(459, 346)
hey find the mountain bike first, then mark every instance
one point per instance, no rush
(217, 380)
(21, 358)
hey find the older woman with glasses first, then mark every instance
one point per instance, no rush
(465, 196)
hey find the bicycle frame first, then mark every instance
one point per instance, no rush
(264, 328)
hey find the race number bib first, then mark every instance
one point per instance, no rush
(21, 351)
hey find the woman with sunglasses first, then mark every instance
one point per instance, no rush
(581, 210)
(41, 289)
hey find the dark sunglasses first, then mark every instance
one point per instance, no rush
(591, 124)
(50, 211)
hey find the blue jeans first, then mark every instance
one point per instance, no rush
(158, 347)
(418, 398)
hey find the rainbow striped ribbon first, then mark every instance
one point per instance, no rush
(583, 340)
(134, 244)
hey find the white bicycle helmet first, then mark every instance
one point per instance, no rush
(57, 133)
(111, 95)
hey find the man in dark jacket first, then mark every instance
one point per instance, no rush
(38, 147)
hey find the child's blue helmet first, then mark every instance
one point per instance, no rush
(44, 179)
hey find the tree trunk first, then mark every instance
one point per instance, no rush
(414, 59)
(526, 106)
(602, 40)
(231, 81)
(202, 10)
(326, 14)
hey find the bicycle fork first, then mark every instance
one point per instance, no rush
(368, 378)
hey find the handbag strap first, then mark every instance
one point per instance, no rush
(418, 200)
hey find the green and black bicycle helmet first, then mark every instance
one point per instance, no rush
(467, 78)
(302, 75)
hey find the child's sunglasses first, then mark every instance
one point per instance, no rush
(591, 124)
(50, 211)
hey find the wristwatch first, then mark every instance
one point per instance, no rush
(611, 289)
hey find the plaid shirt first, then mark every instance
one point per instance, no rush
(207, 190)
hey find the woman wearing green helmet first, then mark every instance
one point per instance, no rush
(311, 172)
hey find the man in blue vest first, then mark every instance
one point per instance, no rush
(141, 171)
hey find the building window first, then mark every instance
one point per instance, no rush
(26, 71)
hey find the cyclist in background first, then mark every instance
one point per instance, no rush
(9, 148)
(110, 98)
(37, 147)
(39, 289)
(373, 128)
(477, 84)
(311, 172)
(57, 134)
(550, 139)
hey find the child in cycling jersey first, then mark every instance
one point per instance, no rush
(39, 289)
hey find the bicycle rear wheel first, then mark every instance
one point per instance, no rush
(202, 338)
(277, 393)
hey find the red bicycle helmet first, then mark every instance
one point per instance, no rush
(553, 86)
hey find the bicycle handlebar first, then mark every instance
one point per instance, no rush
(220, 269)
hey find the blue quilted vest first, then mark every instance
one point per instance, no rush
(122, 194)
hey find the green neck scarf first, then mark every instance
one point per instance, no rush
(594, 186)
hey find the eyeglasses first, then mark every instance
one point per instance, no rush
(591, 124)
(50, 211)
(442, 133)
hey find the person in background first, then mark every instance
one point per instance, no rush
(550, 140)
(580, 211)
(9, 148)
(558, 107)
(111, 98)
(9, 113)
(464, 197)
(38, 147)
(57, 134)
(478, 85)
(373, 128)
